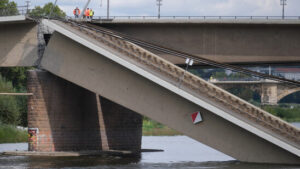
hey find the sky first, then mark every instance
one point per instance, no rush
(179, 7)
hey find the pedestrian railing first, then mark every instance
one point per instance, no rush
(200, 17)
(12, 11)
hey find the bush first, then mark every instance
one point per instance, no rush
(9, 109)
(9, 112)
(10, 134)
(288, 113)
(152, 128)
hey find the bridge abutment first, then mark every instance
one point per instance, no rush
(65, 117)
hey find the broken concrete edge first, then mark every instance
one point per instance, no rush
(79, 153)
(17, 18)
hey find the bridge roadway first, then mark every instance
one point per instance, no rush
(241, 41)
(149, 85)
(18, 41)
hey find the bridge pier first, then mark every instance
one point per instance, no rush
(65, 117)
(269, 94)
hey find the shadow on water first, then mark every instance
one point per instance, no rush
(69, 162)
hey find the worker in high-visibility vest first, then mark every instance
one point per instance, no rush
(91, 13)
(87, 13)
(76, 12)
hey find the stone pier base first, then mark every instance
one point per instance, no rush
(65, 117)
(269, 94)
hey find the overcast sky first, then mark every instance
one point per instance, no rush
(179, 7)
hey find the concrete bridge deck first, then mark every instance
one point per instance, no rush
(19, 41)
(241, 41)
(145, 83)
(197, 21)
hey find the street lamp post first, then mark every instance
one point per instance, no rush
(27, 6)
(159, 4)
(107, 9)
(283, 3)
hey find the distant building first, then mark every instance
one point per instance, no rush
(288, 73)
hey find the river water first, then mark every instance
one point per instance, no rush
(179, 152)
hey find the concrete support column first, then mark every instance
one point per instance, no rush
(269, 94)
(65, 117)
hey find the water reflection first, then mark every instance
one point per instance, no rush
(125, 163)
(180, 152)
(80, 161)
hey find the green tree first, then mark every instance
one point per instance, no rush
(14, 80)
(220, 75)
(8, 8)
(46, 10)
(9, 110)
(242, 92)
(17, 75)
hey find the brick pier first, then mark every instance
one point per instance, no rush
(65, 117)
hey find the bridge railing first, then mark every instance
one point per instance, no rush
(12, 11)
(224, 79)
(201, 17)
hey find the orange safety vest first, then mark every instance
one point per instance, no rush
(74, 12)
(87, 12)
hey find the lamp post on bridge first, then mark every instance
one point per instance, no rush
(159, 4)
(27, 6)
(283, 3)
(107, 9)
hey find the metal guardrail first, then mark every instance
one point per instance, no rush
(200, 17)
(19, 10)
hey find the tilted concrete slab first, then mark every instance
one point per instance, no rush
(147, 84)
(18, 41)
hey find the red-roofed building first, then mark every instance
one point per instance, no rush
(288, 73)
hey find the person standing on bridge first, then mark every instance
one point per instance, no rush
(91, 13)
(87, 13)
(76, 12)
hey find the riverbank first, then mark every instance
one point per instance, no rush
(152, 128)
(11, 134)
(287, 112)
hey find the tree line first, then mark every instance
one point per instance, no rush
(9, 8)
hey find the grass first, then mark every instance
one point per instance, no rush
(10, 134)
(287, 112)
(152, 128)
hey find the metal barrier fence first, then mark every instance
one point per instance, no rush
(200, 17)
(19, 10)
